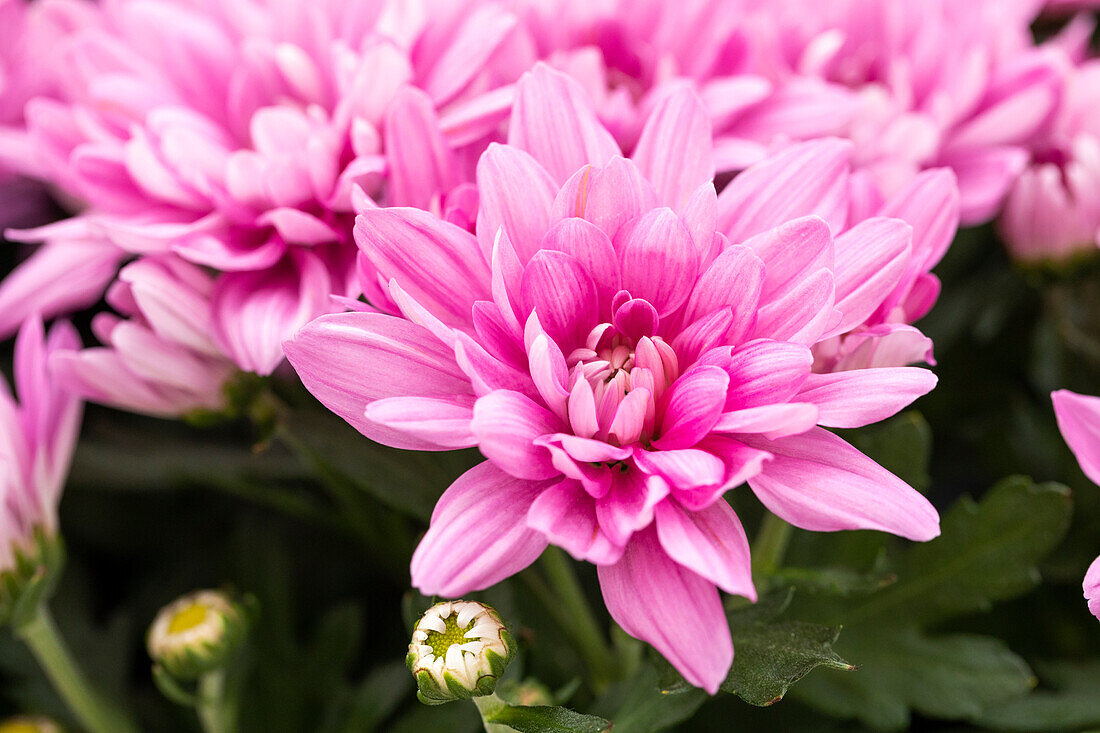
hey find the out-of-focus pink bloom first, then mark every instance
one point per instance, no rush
(161, 357)
(37, 437)
(940, 83)
(623, 355)
(1079, 420)
(1053, 210)
(234, 134)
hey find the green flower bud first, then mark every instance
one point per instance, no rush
(29, 571)
(459, 650)
(29, 724)
(196, 634)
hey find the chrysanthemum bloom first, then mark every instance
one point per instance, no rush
(233, 135)
(1053, 211)
(629, 54)
(1079, 420)
(941, 83)
(37, 437)
(159, 356)
(622, 363)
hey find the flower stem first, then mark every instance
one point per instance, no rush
(217, 708)
(579, 621)
(770, 545)
(488, 706)
(92, 709)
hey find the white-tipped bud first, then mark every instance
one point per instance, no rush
(29, 724)
(459, 649)
(196, 633)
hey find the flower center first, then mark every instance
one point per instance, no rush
(452, 634)
(189, 617)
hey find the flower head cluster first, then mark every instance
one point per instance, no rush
(196, 633)
(1079, 420)
(459, 649)
(624, 345)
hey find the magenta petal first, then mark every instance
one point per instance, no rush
(659, 260)
(438, 264)
(553, 120)
(516, 193)
(710, 542)
(559, 289)
(684, 469)
(566, 514)
(871, 258)
(691, 407)
(506, 425)
(804, 179)
(478, 535)
(774, 421)
(441, 421)
(609, 197)
(348, 360)
(466, 54)
(852, 399)
(586, 243)
(735, 278)
(675, 150)
(628, 507)
(818, 482)
(792, 252)
(766, 372)
(657, 600)
(1091, 586)
(1079, 420)
(422, 165)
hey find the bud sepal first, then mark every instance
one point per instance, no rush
(459, 650)
(30, 580)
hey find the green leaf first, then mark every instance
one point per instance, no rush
(377, 697)
(950, 676)
(1072, 703)
(638, 705)
(987, 551)
(902, 444)
(548, 719)
(835, 580)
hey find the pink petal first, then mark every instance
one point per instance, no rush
(436, 263)
(871, 258)
(348, 360)
(609, 197)
(628, 507)
(478, 535)
(985, 177)
(930, 204)
(659, 260)
(792, 252)
(298, 227)
(566, 515)
(552, 119)
(506, 425)
(802, 314)
(774, 421)
(856, 398)
(474, 43)
(586, 243)
(515, 193)
(684, 469)
(659, 601)
(735, 278)
(422, 165)
(440, 421)
(1079, 420)
(818, 482)
(804, 179)
(710, 542)
(558, 287)
(674, 151)
(1091, 586)
(691, 407)
(766, 372)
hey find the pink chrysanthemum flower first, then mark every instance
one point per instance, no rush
(621, 362)
(1053, 210)
(1079, 420)
(235, 134)
(940, 83)
(37, 437)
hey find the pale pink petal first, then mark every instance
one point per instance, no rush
(506, 425)
(348, 360)
(818, 482)
(566, 515)
(592, 248)
(474, 43)
(1079, 420)
(1091, 586)
(792, 252)
(684, 469)
(710, 542)
(609, 197)
(628, 507)
(735, 278)
(674, 151)
(422, 165)
(553, 120)
(802, 314)
(515, 193)
(659, 260)
(852, 399)
(443, 422)
(478, 534)
(985, 176)
(870, 259)
(766, 372)
(774, 421)
(657, 600)
(691, 407)
(559, 289)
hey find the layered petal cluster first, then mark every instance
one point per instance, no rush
(38, 433)
(1053, 210)
(234, 136)
(1079, 420)
(940, 84)
(624, 346)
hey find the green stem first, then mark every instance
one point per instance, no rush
(579, 621)
(217, 708)
(770, 545)
(91, 708)
(489, 705)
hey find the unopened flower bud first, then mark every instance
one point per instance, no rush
(29, 570)
(29, 724)
(196, 634)
(459, 649)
